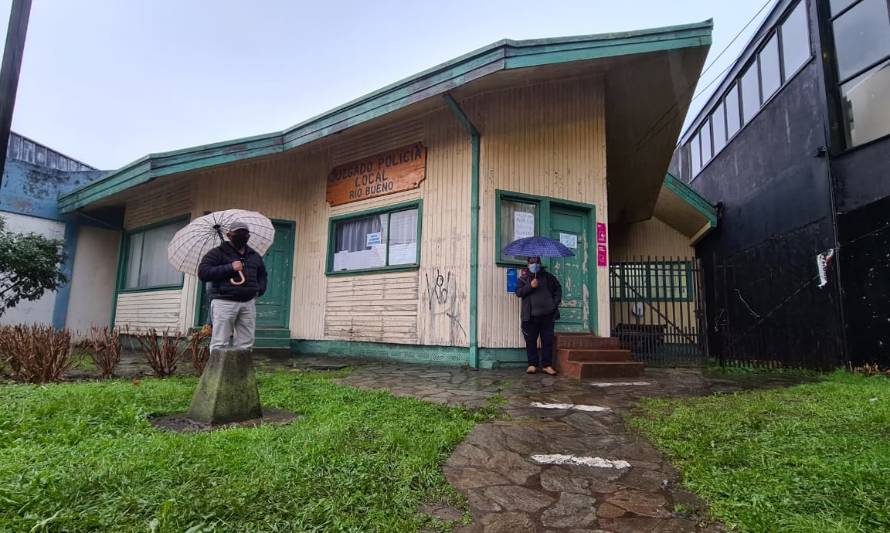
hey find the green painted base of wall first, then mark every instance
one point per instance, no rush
(412, 353)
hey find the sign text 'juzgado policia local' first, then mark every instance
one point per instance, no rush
(385, 173)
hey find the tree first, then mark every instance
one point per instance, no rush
(30, 265)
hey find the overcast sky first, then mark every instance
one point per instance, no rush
(109, 81)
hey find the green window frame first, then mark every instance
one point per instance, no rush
(123, 281)
(653, 281)
(387, 210)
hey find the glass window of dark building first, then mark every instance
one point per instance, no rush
(795, 40)
(733, 115)
(718, 126)
(861, 37)
(695, 155)
(770, 74)
(750, 93)
(705, 143)
(862, 51)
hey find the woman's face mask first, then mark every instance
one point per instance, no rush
(534, 268)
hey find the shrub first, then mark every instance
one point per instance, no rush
(104, 348)
(199, 344)
(161, 350)
(37, 354)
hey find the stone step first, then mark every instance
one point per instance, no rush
(582, 356)
(586, 341)
(262, 343)
(272, 333)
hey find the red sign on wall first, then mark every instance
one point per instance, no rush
(602, 257)
(600, 233)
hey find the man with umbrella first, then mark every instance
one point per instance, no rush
(237, 275)
(541, 295)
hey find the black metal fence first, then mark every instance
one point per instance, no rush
(769, 309)
(658, 308)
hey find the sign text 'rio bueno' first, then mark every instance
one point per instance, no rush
(386, 173)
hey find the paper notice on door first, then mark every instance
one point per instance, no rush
(569, 240)
(523, 225)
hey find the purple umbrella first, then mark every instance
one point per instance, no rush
(537, 247)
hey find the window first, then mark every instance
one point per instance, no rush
(705, 143)
(770, 75)
(660, 281)
(733, 115)
(862, 46)
(718, 127)
(795, 40)
(839, 5)
(147, 266)
(861, 37)
(695, 155)
(750, 93)
(866, 107)
(518, 219)
(377, 240)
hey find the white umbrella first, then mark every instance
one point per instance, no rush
(191, 243)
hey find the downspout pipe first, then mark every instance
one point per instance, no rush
(473, 357)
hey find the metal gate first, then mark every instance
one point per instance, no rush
(658, 309)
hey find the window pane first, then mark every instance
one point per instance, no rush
(795, 39)
(770, 76)
(750, 94)
(360, 243)
(518, 220)
(134, 257)
(866, 108)
(695, 155)
(861, 37)
(705, 143)
(403, 238)
(718, 126)
(733, 117)
(156, 270)
(839, 5)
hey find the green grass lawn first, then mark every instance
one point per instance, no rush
(82, 456)
(814, 457)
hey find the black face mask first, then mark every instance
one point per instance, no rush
(239, 239)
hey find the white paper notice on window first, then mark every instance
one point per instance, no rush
(523, 225)
(570, 240)
(374, 239)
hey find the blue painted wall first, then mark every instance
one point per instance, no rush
(32, 190)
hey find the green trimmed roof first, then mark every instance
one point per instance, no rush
(502, 55)
(691, 197)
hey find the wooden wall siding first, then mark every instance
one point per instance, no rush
(155, 309)
(292, 187)
(547, 140)
(373, 308)
(158, 201)
(648, 238)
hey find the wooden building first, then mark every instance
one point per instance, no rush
(392, 209)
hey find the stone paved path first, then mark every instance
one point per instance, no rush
(510, 492)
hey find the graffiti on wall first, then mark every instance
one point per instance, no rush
(441, 293)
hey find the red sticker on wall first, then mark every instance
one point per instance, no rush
(600, 233)
(602, 258)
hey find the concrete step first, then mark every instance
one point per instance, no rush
(629, 369)
(272, 333)
(585, 341)
(584, 356)
(272, 343)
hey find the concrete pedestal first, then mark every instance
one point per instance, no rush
(227, 391)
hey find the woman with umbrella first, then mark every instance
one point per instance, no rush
(541, 295)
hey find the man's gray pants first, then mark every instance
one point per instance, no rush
(233, 319)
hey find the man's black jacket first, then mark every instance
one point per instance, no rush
(216, 267)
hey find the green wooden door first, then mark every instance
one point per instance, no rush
(273, 309)
(571, 227)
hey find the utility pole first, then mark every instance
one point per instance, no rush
(9, 71)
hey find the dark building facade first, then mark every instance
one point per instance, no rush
(794, 146)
